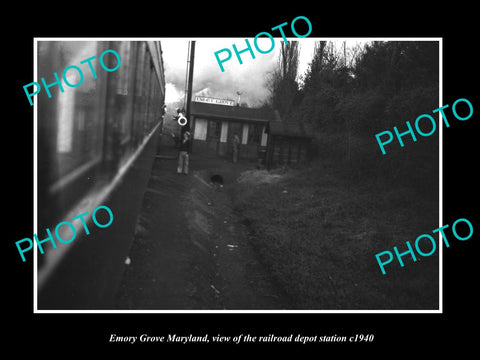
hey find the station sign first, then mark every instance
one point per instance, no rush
(211, 100)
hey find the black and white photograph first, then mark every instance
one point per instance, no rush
(260, 187)
(214, 181)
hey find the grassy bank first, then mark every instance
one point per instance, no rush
(318, 230)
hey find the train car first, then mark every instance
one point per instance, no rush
(97, 128)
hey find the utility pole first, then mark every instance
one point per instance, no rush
(189, 83)
(188, 90)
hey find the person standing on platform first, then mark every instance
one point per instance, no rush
(183, 156)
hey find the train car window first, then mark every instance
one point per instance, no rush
(124, 75)
(121, 91)
(72, 116)
(146, 93)
(125, 89)
(139, 93)
(65, 127)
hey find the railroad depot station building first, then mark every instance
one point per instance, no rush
(263, 135)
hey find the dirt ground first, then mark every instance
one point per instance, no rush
(191, 251)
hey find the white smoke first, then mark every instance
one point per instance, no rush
(248, 78)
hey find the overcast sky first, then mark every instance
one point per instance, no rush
(208, 80)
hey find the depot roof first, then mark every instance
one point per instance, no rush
(288, 127)
(232, 113)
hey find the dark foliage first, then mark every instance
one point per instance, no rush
(352, 98)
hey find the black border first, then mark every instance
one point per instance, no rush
(401, 333)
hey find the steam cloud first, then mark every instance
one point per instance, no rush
(248, 78)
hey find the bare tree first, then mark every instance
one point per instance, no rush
(282, 81)
(288, 60)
